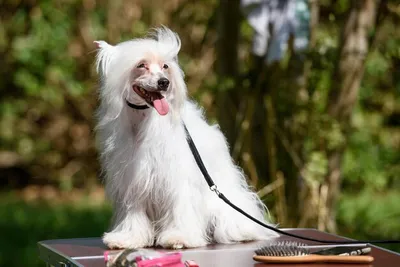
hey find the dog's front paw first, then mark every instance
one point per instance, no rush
(176, 240)
(121, 240)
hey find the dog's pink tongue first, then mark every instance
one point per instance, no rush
(161, 105)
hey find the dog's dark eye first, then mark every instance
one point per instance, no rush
(165, 66)
(141, 66)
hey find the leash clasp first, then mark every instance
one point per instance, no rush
(215, 189)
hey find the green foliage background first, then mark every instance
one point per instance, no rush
(48, 97)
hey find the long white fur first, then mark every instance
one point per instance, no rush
(158, 193)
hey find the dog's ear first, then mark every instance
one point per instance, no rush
(104, 57)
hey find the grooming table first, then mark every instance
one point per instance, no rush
(63, 253)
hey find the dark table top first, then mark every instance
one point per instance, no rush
(62, 252)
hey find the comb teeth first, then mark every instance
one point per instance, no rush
(283, 248)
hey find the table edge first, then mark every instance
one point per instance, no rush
(55, 258)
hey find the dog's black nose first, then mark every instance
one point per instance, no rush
(163, 84)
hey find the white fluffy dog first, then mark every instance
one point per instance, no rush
(158, 193)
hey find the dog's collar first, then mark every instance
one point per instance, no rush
(131, 105)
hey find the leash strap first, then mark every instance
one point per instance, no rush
(213, 188)
(199, 162)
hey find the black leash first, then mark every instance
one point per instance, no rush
(214, 188)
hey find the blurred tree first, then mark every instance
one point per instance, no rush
(353, 51)
(228, 25)
(291, 124)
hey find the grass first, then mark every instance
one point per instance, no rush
(23, 224)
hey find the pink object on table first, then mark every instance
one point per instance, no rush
(144, 258)
(169, 260)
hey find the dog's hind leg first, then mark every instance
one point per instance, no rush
(229, 225)
(132, 229)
